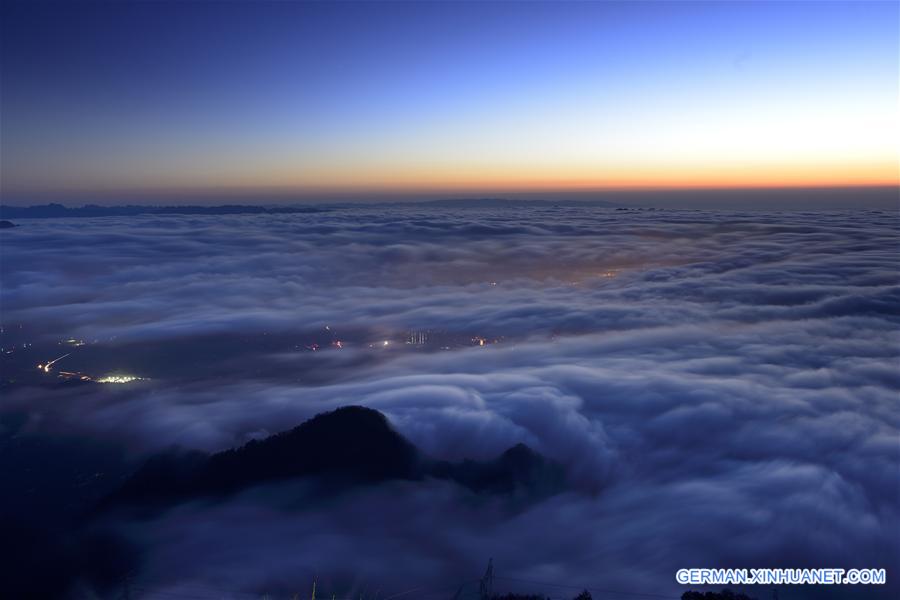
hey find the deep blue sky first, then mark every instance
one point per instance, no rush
(335, 97)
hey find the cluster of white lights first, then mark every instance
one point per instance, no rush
(119, 379)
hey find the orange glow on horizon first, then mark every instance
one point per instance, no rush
(473, 179)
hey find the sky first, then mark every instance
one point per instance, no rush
(174, 99)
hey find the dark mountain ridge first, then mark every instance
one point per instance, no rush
(346, 448)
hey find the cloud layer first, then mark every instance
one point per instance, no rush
(721, 386)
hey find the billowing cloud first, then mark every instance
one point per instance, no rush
(721, 387)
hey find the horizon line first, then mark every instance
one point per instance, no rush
(331, 194)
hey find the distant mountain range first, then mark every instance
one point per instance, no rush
(790, 198)
(347, 448)
(53, 211)
(509, 202)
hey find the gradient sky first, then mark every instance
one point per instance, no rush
(319, 98)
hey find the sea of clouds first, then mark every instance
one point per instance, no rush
(721, 386)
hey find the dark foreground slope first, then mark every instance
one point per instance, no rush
(334, 452)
